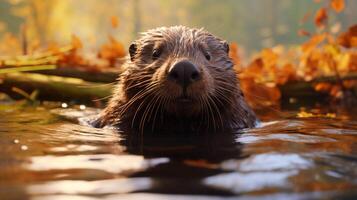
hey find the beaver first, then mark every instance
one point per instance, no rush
(178, 79)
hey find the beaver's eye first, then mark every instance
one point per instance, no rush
(208, 57)
(156, 54)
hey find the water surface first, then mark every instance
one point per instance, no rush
(44, 156)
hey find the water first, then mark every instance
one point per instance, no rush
(44, 156)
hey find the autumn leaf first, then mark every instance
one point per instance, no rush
(353, 30)
(112, 51)
(76, 42)
(253, 70)
(350, 83)
(114, 21)
(233, 53)
(285, 74)
(270, 58)
(323, 87)
(336, 91)
(337, 5)
(313, 42)
(321, 17)
(349, 38)
(260, 95)
(302, 32)
(304, 114)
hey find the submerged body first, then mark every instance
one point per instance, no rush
(178, 79)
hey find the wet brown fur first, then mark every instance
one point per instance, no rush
(145, 100)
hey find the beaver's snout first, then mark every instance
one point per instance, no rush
(184, 73)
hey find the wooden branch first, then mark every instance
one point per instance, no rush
(334, 79)
(300, 90)
(54, 88)
(306, 89)
(103, 77)
(60, 51)
(26, 68)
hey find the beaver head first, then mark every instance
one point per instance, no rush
(178, 78)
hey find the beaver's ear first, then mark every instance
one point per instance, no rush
(225, 46)
(132, 50)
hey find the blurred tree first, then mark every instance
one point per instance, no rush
(253, 24)
(38, 17)
(9, 22)
(136, 17)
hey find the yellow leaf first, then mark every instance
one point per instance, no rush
(343, 63)
(304, 114)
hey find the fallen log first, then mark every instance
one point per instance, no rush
(26, 68)
(303, 92)
(54, 88)
(306, 89)
(91, 76)
(296, 94)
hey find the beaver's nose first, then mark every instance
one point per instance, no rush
(184, 73)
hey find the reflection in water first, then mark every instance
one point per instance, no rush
(268, 162)
(102, 187)
(105, 162)
(285, 159)
(246, 182)
(211, 147)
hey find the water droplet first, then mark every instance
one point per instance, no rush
(16, 141)
(292, 100)
(24, 147)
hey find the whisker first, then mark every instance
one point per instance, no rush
(142, 103)
(156, 110)
(103, 98)
(148, 111)
(137, 84)
(211, 113)
(217, 109)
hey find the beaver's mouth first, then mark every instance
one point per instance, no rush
(183, 106)
(184, 99)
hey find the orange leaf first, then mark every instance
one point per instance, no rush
(233, 53)
(350, 83)
(76, 42)
(321, 17)
(313, 42)
(302, 32)
(287, 73)
(112, 51)
(349, 38)
(337, 5)
(323, 87)
(336, 91)
(270, 58)
(258, 94)
(114, 21)
(354, 42)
